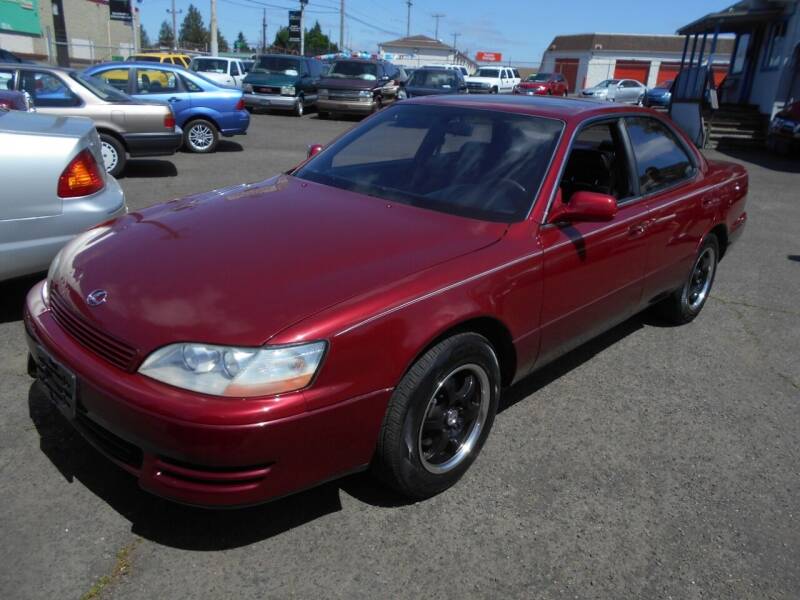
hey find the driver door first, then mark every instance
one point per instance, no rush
(593, 271)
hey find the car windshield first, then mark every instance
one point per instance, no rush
(488, 73)
(210, 65)
(100, 88)
(278, 65)
(434, 79)
(470, 162)
(354, 70)
(539, 77)
(607, 82)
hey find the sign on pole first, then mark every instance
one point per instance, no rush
(120, 10)
(489, 57)
(294, 26)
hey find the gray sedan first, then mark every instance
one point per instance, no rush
(624, 91)
(54, 187)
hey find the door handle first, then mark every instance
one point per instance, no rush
(637, 230)
(173, 99)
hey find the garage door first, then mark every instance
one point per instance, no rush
(667, 72)
(568, 67)
(636, 70)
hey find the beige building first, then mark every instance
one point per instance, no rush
(34, 29)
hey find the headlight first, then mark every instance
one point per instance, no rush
(235, 372)
(365, 94)
(287, 90)
(247, 88)
(323, 92)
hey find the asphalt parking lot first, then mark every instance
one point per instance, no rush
(654, 462)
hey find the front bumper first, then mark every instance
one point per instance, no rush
(203, 450)
(153, 144)
(270, 101)
(346, 106)
(29, 245)
(656, 100)
(531, 92)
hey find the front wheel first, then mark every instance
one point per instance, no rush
(201, 136)
(113, 153)
(439, 417)
(687, 302)
(298, 108)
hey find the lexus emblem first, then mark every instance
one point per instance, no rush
(96, 298)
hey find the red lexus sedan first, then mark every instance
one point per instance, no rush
(543, 84)
(367, 308)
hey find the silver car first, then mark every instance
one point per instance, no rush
(126, 126)
(624, 91)
(54, 187)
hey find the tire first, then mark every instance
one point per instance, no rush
(200, 136)
(683, 305)
(565, 94)
(114, 156)
(439, 416)
(298, 107)
(323, 115)
(493, 90)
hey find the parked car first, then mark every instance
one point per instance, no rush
(543, 84)
(429, 80)
(784, 130)
(492, 80)
(126, 127)
(659, 95)
(54, 187)
(170, 58)
(368, 307)
(357, 86)
(203, 109)
(15, 101)
(224, 71)
(623, 91)
(460, 68)
(283, 82)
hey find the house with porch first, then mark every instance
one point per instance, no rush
(764, 72)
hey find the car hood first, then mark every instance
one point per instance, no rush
(237, 266)
(273, 79)
(429, 91)
(482, 79)
(335, 83)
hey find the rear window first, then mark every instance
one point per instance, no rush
(210, 65)
(474, 163)
(100, 88)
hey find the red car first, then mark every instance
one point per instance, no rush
(543, 84)
(367, 308)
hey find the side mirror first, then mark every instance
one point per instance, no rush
(583, 206)
(314, 149)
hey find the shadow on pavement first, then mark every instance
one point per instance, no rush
(229, 146)
(794, 257)
(12, 296)
(200, 529)
(764, 158)
(138, 167)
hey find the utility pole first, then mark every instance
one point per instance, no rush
(408, 19)
(341, 26)
(302, 28)
(455, 48)
(264, 32)
(437, 16)
(214, 44)
(174, 25)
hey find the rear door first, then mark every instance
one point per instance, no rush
(593, 272)
(162, 85)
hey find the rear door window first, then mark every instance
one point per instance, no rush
(47, 90)
(117, 78)
(661, 160)
(156, 81)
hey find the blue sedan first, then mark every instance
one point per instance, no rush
(203, 109)
(659, 95)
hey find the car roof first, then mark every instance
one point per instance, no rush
(564, 109)
(144, 64)
(38, 67)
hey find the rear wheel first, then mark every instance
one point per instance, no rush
(113, 153)
(201, 136)
(321, 114)
(439, 416)
(687, 302)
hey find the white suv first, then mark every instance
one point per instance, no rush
(493, 80)
(225, 71)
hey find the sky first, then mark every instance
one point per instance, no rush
(520, 29)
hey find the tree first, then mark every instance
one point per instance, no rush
(316, 41)
(193, 30)
(241, 45)
(144, 39)
(166, 37)
(222, 43)
(282, 38)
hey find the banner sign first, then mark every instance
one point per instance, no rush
(489, 57)
(20, 16)
(120, 10)
(294, 26)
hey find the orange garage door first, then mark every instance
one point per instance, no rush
(632, 69)
(568, 67)
(667, 72)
